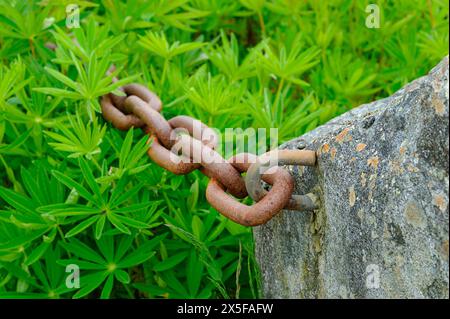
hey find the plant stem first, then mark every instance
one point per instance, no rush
(96, 163)
(261, 23)
(277, 98)
(163, 76)
(430, 9)
(238, 271)
(10, 174)
(130, 293)
(5, 280)
(30, 41)
(169, 204)
(60, 232)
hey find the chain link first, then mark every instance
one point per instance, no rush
(196, 150)
(282, 157)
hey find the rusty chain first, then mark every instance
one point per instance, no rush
(141, 108)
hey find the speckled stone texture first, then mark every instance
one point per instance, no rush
(382, 227)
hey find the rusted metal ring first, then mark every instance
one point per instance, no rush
(196, 129)
(157, 124)
(201, 154)
(260, 212)
(140, 91)
(282, 157)
(215, 166)
(183, 164)
(164, 158)
(118, 118)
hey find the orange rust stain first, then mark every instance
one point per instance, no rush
(340, 137)
(360, 147)
(373, 161)
(439, 107)
(402, 150)
(325, 148)
(396, 167)
(412, 168)
(333, 153)
(414, 215)
(440, 202)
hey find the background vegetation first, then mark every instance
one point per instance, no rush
(76, 190)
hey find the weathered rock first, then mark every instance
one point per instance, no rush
(382, 227)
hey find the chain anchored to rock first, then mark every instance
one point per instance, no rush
(195, 149)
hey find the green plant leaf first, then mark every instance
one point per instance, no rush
(82, 226)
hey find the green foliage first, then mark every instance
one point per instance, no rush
(78, 139)
(74, 190)
(91, 56)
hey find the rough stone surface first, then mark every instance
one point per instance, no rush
(382, 227)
